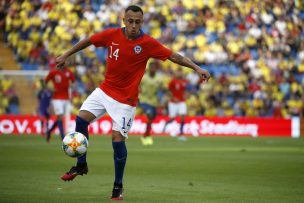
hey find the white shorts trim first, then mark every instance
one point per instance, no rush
(60, 106)
(177, 109)
(98, 103)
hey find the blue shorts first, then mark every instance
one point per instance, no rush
(148, 109)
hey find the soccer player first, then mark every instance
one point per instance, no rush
(177, 105)
(62, 80)
(129, 49)
(44, 97)
(149, 87)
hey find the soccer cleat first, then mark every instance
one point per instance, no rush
(117, 192)
(143, 140)
(75, 171)
(149, 140)
(146, 140)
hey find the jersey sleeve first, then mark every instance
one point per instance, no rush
(100, 39)
(159, 51)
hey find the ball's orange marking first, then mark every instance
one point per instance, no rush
(74, 144)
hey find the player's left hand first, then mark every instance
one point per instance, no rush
(60, 61)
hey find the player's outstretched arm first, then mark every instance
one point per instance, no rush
(184, 61)
(82, 44)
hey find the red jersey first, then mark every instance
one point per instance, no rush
(177, 88)
(61, 80)
(126, 62)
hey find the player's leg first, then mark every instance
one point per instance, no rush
(42, 123)
(151, 114)
(122, 116)
(62, 112)
(145, 108)
(83, 120)
(173, 111)
(182, 111)
(91, 109)
(120, 159)
(49, 131)
(54, 125)
(60, 125)
(58, 107)
(47, 120)
(42, 119)
(182, 125)
(149, 123)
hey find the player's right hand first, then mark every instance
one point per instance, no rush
(204, 75)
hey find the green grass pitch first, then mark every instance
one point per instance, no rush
(206, 169)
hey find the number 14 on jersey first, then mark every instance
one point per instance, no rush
(114, 53)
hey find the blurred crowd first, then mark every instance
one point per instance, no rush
(9, 100)
(254, 49)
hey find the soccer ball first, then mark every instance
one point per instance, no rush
(75, 144)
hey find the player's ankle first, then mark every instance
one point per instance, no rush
(120, 185)
(82, 164)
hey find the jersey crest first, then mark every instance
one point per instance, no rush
(137, 49)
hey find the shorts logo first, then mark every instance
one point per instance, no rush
(137, 49)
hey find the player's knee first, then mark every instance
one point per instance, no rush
(86, 115)
(117, 136)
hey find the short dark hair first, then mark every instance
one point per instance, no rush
(134, 8)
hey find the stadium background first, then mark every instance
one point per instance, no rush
(253, 49)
